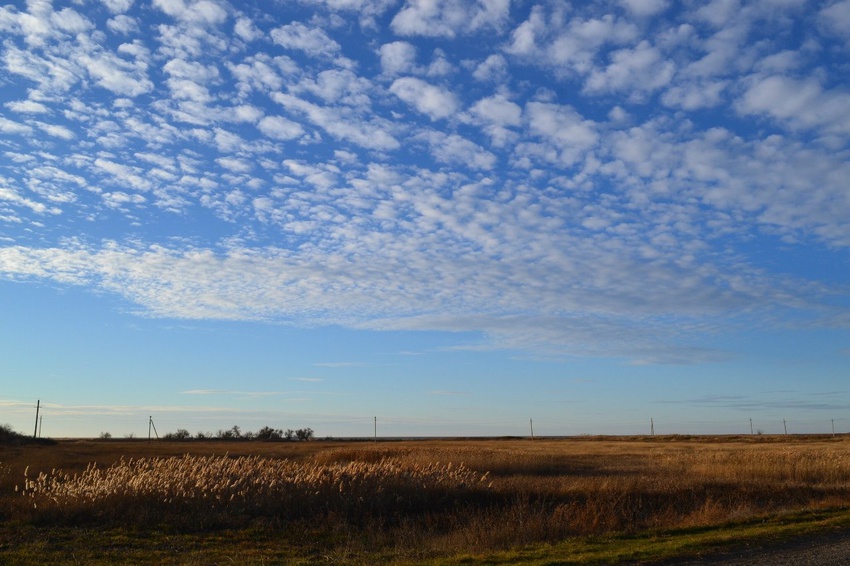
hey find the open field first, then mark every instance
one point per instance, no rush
(573, 500)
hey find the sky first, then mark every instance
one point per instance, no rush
(425, 217)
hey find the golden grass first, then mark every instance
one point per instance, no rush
(221, 487)
(403, 500)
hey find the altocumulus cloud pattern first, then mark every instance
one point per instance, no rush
(617, 178)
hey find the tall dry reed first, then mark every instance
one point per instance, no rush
(219, 486)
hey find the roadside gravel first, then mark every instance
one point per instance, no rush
(831, 548)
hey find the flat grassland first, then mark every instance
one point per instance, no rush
(497, 501)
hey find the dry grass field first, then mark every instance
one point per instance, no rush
(395, 502)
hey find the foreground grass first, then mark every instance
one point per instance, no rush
(25, 545)
(571, 501)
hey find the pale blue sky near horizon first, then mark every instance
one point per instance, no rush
(452, 215)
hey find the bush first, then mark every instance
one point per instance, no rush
(268, 433)
(8, 436)
(181, 434)
(235, 433)
(232, 434)
(304, 434)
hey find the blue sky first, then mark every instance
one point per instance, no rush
(453, 216)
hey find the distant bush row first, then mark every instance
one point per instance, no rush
(235, 433)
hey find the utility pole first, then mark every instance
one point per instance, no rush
(785, 426)
(833, 426)
(152, 426)
(531, 424)
(751, 426)
(651, 427)
(376, 429)
(35, 430)
(41, 422)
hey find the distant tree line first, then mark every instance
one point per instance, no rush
(235, 433)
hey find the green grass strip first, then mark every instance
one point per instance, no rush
(667, 544)
(29, 544)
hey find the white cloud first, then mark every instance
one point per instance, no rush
(369, 134)
(123, 175)
(71, 21)
(524, 39)
(311, 40)
(426, 98)
(367, 10)
(798, 103)
(497, 109)
(197, 72)
(246, 113)
(338, 86)
(644, 8)
(718, 12)
(118, 6)
(695, 95)
(638, 71)
(120, 199)
(563, 129)
(123, 24)
(570, 48)
(323, 177)
(11, 195)
(496, 114)
(835, 18)
(447, 18)
(117, 75)
(262, 72)
(197, 12)
(227, 141)
(56, 130)
(50, 74)
(458, 150)
(397, 57)
(162, 161)
(440, 65)
(280, 128)
(27, 107)
(246, 29)
(235, 164)
(494, 69)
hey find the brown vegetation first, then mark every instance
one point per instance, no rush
(405, 499)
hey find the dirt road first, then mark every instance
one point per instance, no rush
(830, 548)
